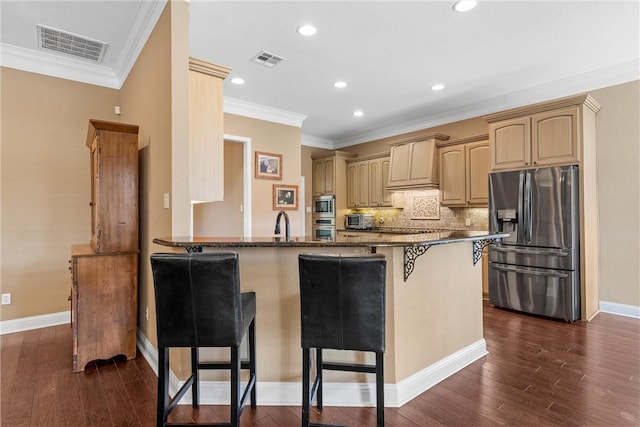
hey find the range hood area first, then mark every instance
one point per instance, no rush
(414, 163)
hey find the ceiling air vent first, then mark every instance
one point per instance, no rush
(267, 59)
(70, 44)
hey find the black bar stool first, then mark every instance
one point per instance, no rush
(199, 304)
(342, 304)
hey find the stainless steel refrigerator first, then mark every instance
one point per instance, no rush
(537, 268)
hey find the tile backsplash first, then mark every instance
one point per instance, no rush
(410, 217)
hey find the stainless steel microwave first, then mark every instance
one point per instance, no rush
(324, 206)
(359, 221)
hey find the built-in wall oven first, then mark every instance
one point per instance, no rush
(324, 228)
(324, 207)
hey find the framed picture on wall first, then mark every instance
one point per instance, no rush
(285, 197)
(268, 165)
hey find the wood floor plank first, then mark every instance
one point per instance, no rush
(539, 372)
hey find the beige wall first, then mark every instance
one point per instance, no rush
(271, 138)
(146, 101)
(45, 185)
(223, 219)
(618, 177)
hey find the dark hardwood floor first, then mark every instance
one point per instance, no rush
(539, 372)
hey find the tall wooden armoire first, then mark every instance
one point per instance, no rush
(104, 293)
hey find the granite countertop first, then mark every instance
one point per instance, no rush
(362, 240)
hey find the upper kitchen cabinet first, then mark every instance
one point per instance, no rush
(324, 176)
(414, 163)
(114, 186)
(542, 135)
(206, 134)
(464, 171)
(367, 182)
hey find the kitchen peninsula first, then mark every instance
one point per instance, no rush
(433, 311)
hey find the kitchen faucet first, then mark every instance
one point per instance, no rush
(286, 224)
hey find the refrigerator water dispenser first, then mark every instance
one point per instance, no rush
(508, 223)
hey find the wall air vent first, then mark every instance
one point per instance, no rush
(267, 59)
(70, 44)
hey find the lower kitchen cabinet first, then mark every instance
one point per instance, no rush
(104, 305)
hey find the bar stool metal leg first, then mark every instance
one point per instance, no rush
(380, 388)
(195, 390)
(306, 373)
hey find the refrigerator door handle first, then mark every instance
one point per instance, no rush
(522, 219)
(529, 251)
(533, 272)
(528, 214)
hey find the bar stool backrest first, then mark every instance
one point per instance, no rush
(342, 301)
(198, 302)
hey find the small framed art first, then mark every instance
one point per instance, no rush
(268, 165)
(285, 197)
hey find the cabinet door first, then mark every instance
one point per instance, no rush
(452, 175)
(510, 143)
(386, 195)
(555, 137)
(362, 184)
(105, 303)
(352, 185)
(400, 162)
(115, 188)
(329, 176)
(477, 168)
(317, 178)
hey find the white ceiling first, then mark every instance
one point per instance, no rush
(500, 55)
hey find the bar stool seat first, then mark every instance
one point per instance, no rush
(198, 305)
(342, 305)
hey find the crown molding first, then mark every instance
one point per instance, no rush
(316, 142)
(144, 22)
(592, 80)
(262, 112)
(69, 68)
(57, 66)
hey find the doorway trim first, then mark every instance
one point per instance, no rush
(248, 174)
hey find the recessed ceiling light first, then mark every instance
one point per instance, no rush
(464, 5)
(237, 81)
(306, 30)
(358, 113)
(340, 84)
(439, 86)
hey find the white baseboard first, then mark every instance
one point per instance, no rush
(335, 394)
(34, 322)
(620, 309)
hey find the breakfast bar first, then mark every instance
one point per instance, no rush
(433, 312)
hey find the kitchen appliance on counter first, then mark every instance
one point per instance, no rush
(359, 221)
(535, 269)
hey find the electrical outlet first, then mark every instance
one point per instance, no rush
(146, 313)
(467, 222)
(6, 299)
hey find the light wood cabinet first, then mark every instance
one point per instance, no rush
(559, 132)
(324, 175)
(542, 139)
(414, 163)
(104, 305)
(104, 272)
(367, 182)
(114, 186)
(464, 172)
(206, 133)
